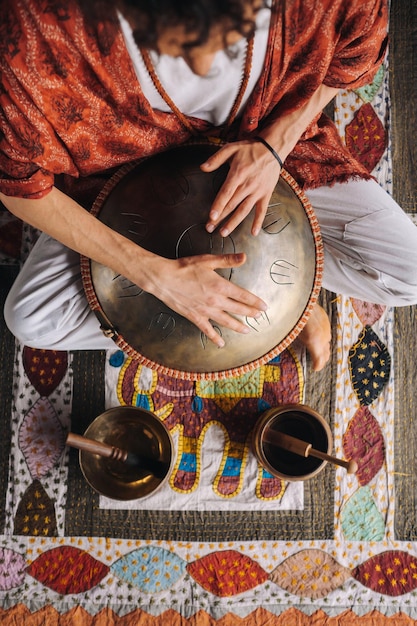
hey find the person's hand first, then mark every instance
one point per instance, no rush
(191, 287)
(251, 179)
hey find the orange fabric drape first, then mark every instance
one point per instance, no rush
(71, 103)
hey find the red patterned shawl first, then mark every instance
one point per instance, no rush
(71, 103)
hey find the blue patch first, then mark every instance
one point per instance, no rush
(263, 405)
(117, 359)
(197, 404)
(232, 467)
(150, 569)
(188, 462)
(275, 360)
(142, 401)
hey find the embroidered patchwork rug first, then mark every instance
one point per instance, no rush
(223, 542)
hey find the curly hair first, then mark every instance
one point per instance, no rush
(150, 17)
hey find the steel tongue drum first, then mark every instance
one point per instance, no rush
(162, 204)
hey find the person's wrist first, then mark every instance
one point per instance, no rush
(268, 146)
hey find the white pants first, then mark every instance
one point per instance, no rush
(370, 253)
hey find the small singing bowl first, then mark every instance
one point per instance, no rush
(297, 420)
(142, 434)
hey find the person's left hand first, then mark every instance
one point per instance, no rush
(251, 179)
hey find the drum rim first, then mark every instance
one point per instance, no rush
(95, 306)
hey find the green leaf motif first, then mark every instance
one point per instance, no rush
(361, 520)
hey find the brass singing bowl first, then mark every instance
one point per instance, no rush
(141, 433)
(162, 203)
(302, 422)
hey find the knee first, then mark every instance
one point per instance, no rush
(402, 281)
(18, 320)
(404, 290)
(32, 322)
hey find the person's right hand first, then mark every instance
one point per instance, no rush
(191, 287)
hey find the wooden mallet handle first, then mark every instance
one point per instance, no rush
(302, 448)
(96, 447)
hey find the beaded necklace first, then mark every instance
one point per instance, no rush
(185, 121)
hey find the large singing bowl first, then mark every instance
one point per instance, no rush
(143, 435)
(162, 203)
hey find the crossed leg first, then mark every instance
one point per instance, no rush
(370, 250)
(370, 253)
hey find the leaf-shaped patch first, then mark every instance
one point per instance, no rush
(41, 438)
(227, 573)
(392, 573)
(35, 515)
(365, 137)
(12, 569)
(368, 92)
(151, 569)
(310, 573)
(68, 570)
(367, 312)
(370, 365)
(361, 519)
(44, 368)
(363, 442)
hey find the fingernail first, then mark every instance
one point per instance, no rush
(224, 232)
(214, 215)
(209, 228)
(246, 330)
(221, 343)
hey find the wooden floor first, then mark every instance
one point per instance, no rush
(403, 86)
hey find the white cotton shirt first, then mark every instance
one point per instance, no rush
(210, 97)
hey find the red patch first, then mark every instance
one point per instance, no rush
(367, 312)
(364, 443)
(366, 137)
(271, 488)
(68, 570)
(227, 573)
(44, 368)
(392, 573)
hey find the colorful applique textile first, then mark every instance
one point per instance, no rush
(224, 542)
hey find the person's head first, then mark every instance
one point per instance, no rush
(197, 17)
(193, 29)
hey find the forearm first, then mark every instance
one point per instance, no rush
(282, 133)
(65, 220)
(190, 286)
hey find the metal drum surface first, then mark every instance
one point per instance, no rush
(162, 204)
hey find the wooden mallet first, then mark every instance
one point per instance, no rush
(154, 466)
(302, 448)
